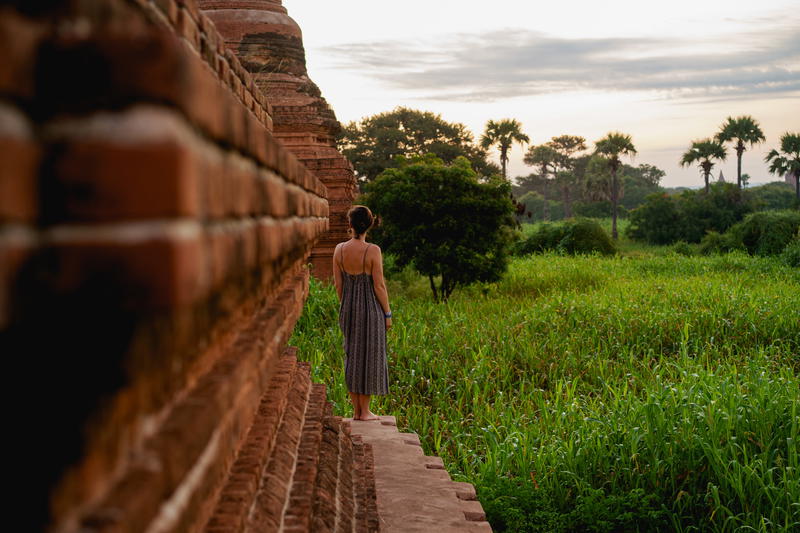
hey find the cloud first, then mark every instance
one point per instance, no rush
(505, 64)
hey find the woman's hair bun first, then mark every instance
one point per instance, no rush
(360, 218)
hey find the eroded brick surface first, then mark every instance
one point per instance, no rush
(269, 45)
(154, 228)
(160, 198)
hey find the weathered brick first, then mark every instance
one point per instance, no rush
(150, 265)
(118, 69)
(128, 507)
(187, 26)
(20, 37)
(99, 180)
(169, 8)
(276, 196)
(224, 227)
(19, 177)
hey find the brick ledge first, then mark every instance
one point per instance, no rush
(414, 491)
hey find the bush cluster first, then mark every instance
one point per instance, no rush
(573, 236)
(764, 233)
(791, 254)
(515, 504)
(664, 219)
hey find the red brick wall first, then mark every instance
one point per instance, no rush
(153, 237)
(270, 45)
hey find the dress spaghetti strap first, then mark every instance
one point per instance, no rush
(364, 260)
(341, 257)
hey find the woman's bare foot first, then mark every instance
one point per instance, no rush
(369, 416)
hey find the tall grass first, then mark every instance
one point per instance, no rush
(600, 394)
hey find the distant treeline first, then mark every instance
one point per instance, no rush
(775, 195)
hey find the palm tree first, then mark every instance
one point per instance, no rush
(546, 158)
(743, 130)
(611, 147)
(788, 163)
(703, 152)
(503, 133)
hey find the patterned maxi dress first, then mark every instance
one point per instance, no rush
(364, 328)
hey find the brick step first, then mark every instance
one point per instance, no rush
(236, 497)
(332, 482)
(273, 484)
(298, 467)
(414, 492)
(366, 510)
(299, 512)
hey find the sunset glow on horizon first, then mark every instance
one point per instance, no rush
(666, 74)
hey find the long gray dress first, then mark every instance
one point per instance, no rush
(363, 325)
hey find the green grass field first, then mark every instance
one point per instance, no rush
(642, 392)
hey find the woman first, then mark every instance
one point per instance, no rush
(364, 314)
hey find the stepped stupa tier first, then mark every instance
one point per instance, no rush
(269, 45)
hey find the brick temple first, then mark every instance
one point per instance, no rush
(167, 174)
(269, 45)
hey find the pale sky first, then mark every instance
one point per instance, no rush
(665, 73)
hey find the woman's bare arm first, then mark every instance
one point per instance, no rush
(337, 274)
(379, 283)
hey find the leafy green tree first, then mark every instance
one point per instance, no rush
(656, 221)
(702, 152)
(741, 130)
(567, 147)
(638, 183)
(545, 158)
(422, 206)
(787, 161)
(650, 174)
(610, 148)
(536, 206)
(503, 133)
(373, 143)
(775, 195)
(526, 184)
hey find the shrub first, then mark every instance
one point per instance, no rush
(766, 232)
(715, 243)
(657, 221)
(723, 206)
(513, 504)
(791, 254)
(775, 195)
(573, 236)
(683, 248)
(690, 215)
